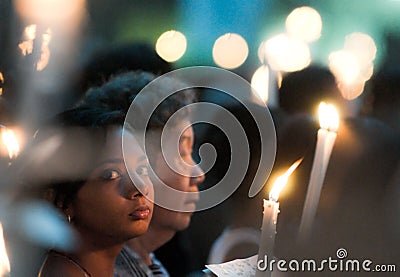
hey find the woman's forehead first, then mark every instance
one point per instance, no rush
(113, 145)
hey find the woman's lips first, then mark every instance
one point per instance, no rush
(140, 213)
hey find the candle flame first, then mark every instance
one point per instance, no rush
(30, 32)
(4, 261)
(328, 117)
(10, 141)
(282, 180)
(1, 83)
(45, 53)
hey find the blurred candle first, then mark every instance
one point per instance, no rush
(270, 217)
(10, 141)
(329, 123)
(4, 261)
(1, 83)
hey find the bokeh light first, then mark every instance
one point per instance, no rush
(363, 47)
(30, 32)
(26, 46)
(45, 53)
(328, 116)
(353, 65)
(344, 65)
(230, 51)
(171, 45)
(10, 142)
(51, 11)
(304, 23)
(260, 82)
(1, 83)
(351, 91)
(261, 52)
(4, 261)
(287, 54)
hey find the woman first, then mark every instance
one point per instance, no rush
(93, 190)
(137, 257)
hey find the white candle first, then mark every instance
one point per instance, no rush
(329, 122)
(4, 261)
(268, 232)
(270, 218)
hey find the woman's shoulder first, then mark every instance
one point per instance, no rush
(60, 266)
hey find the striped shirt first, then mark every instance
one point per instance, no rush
(129, 263)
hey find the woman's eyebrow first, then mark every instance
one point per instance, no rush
(111, 161)
(119, 160)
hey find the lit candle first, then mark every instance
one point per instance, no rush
(270, 217)
(329, 123)
(4, 261)
(10, 142)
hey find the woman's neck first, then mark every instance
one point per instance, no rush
(149, 242)
(98, 262)
(97, 254)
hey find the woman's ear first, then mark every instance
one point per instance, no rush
(49, 195)
(66, 208)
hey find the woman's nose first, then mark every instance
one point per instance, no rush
(139, 186)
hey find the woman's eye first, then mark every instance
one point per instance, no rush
(143, 170)
(110, 174)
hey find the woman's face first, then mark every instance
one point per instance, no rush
(109, 205)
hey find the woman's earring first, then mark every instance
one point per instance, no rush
(69, 218)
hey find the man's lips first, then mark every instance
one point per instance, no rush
(190, 206)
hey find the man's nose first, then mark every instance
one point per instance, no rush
(197, 175)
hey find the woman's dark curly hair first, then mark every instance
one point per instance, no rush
(81, 131)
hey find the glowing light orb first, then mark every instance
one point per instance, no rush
(260, 82)
(230, 51)
(261, 52)
(344, 65)
(349, 75)
(29, 35)
(4, 261)
(45, 53)
(30, 32)
(287, 54)
(328, 117)
(362, 45)
(50, 11)
(171, 45)
(10, 141)
(1, 83)
(352, 91)
(304, 23)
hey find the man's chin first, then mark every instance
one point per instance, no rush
(184, 221)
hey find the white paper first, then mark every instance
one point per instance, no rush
(239, 267)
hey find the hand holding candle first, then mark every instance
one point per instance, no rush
(270, 217)
(329, 123)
